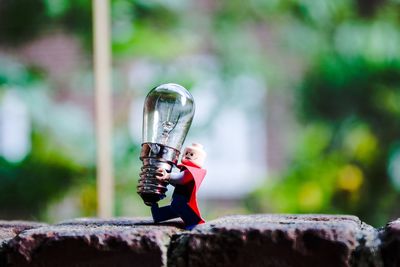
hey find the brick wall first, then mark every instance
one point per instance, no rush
(251, 240)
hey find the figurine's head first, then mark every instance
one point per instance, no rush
(194, 155)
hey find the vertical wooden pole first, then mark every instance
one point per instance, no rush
(102, 73)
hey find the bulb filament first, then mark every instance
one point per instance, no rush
(167, 128)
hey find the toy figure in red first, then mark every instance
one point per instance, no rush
(186, 182)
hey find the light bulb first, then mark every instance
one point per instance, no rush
(167, 115)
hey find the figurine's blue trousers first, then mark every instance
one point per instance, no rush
(179, 208)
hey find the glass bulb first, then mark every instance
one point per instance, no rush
(167, 115)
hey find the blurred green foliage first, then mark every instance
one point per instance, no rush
(348, 104)
(46, 173)
(61, 160)
(22, 20)
(347, 93)
(28, 186)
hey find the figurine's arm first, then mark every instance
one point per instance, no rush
(179, 178)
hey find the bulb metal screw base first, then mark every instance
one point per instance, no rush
(157, 164)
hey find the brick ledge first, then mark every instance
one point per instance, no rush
(240, 240)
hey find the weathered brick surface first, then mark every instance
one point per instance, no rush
(276, 240)
(9, 230)
(91, 242)
(390, 244)
(251, 240)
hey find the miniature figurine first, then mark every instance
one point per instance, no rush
(186, 182)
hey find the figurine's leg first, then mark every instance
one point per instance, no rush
(180, 206)
(162, 214)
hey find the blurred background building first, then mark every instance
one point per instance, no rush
(298, 103)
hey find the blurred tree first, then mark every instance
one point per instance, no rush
(346, 159)
(16, 15)
(348, 101)
(23, 20)
(46, 173)
(52, 168)
(27, 187)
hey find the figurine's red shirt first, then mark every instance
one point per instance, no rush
(197, 175)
